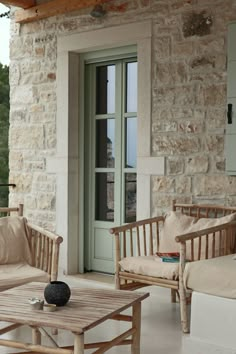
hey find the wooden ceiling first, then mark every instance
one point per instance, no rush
(29, 10)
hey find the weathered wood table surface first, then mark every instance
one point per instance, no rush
(86, 309)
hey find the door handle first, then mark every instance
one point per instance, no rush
(230, 113)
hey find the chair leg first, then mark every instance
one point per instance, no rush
(117, 281)
(173, 295)
(183, 309)
(54, 331)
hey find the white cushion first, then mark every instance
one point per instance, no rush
(12, 275)
(176, 224)
(151, 266)
(14, 245)
(215, 276)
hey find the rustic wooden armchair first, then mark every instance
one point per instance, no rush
(205, 231)
(30, 253)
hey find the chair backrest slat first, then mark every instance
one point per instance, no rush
(138, 241)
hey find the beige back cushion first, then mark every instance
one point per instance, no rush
(176, 224)
(14, 245)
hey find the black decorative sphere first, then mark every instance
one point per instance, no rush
(57, 292)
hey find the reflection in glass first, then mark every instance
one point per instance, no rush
(104, 199)
(131, 86)
(105, 143)
(105, 89)
(131, 142)
(130, 197)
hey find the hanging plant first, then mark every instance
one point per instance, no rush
(5, 14)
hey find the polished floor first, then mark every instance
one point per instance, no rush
(161, 332)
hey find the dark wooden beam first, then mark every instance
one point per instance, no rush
(53, 8)
(25, 4)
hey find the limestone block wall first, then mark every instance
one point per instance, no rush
(188, 101)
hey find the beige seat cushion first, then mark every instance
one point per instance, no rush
(14, 245)
(12, 275)
(216, 276)
(151, 266)
(176, 223)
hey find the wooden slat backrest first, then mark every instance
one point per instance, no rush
(45, 249)
(203, 210)
(140, 238)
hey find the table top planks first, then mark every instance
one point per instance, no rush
(85, 309)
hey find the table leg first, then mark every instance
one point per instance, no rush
(36, 336)
(136, 322)
(79, 343)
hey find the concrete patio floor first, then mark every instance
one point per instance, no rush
(161, 331)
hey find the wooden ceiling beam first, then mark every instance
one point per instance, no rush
(54, 8)
(25, 4)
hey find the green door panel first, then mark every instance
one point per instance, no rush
(230, 137)
(230, 153)
(231, 127)
(231, 81)
(232, 42)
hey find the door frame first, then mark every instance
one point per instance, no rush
(67, 164)
(118, 57)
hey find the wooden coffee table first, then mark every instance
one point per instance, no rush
(86, 309)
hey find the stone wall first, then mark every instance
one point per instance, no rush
(188, 101)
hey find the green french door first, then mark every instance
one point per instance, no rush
(110, 156)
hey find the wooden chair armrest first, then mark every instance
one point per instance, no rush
(58, 239)
(204, 232)
(225, 233)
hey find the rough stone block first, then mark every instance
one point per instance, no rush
(46, 201)
(18, 115)
(162, 47)
(21, 47)
(215, 119)
(182, 49)
(191, 127)
(214, 95)
(27, 137)
(175, 165)
(164, 126)
(183, 185)
(218, 163)
(23, 182)
(197, 164)
(15, 160)
(23, 95)
(170, 145)
(215, 144)
(44, 183)
(163, 184)
(171, 72)
(214, 185)
(34, 165)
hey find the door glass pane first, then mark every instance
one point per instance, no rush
(104, 197)
(105, 89)
(130, 197)
(131, 87)
(105, 143)
(131, 142)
